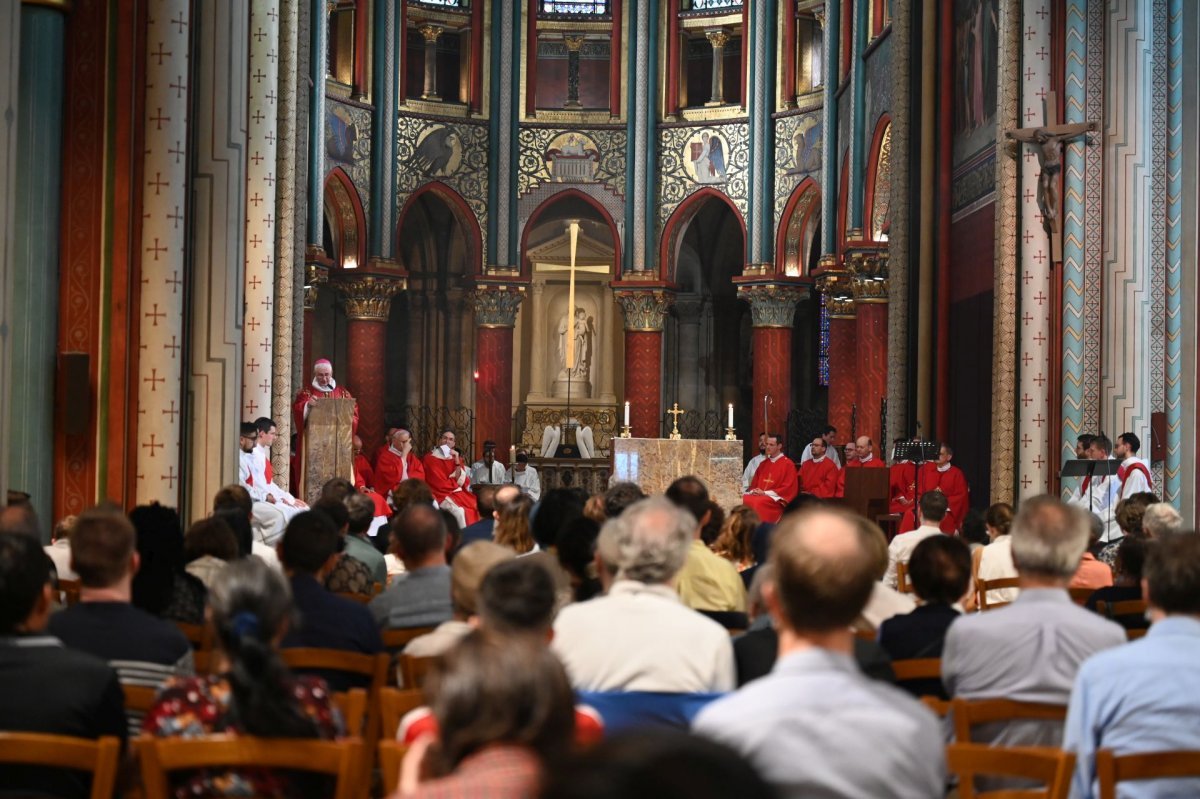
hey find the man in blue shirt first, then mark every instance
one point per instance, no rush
(1145, 696)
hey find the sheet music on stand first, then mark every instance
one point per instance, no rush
(915, 451)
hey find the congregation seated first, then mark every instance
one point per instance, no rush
(1092, 574)
(470, 566)
(209, 545)
(144, 650)
(420, 597)
(619, 496)
(735, 542)
(512, 528)
(995, 561)
(1145, 696)
(361, 511)
(815, 726)
(576, 552)
(162, 586)
(250, 692)
(486, 500)
(885, 601)
(640, 636)
(409, 492)
(309, 550)
(48, 688)
(707, 581)
(59, 548)
(1030, 650)
(1160, 520)
(348, 575)
(940, 571)
(233, 504)
(1127, 583)
(1129, 515)
(931, 510)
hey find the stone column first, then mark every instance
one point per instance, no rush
(318, 54)
(843, 351)
(644, 311)
(772, 309)
(33, 321)
(870, 286)
(718, 38)
(496, 308)
(830, 152)
(10, 70)
(367, 299)
(537, 366)
(574, 44)
(164, 199)
(261, 142)
(431, 33)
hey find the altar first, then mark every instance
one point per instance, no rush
(654, 463)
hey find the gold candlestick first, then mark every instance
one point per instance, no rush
(730, 435)
(626, 431)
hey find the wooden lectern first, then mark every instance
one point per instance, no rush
(868, 492)
(328, 445)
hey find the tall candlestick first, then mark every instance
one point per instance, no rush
(627, 413)
(730, 415)
(512, 454)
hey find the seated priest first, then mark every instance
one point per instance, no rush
(774, 484)
(819, 474)
(364, 480)
(323, 386)
(864, 455)
(448, 479)
(487, 470)
(397, 462)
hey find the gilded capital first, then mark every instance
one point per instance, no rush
(644, 309)
(497, 306)
(840, 307)
(574, 41)
(310, 298)
(869, 275)
(772, 304)
(431, 33)
(316, 266)
(717, 37)
(368, 298)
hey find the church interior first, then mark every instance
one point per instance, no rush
(577, 239)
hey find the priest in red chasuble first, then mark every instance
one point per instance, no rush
(364, 479)
(323, 386)
(774, 484)
(902, 484)
(448, 479)
(943, 476)
(819, 474)
(397, 462)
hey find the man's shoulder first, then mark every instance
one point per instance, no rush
(46, 658)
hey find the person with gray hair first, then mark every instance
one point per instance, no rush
(1161, 520)
(1030, 650)
(361, 510)
(640, 636)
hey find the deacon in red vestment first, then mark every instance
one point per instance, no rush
(774, 484)
(903, 484)
(397, 462)
(323, 386)
(850, 457)
(942, 476)
(447, 477)
(819, 475)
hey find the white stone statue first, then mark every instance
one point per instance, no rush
(582, 330)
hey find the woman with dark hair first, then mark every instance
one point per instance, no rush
(512, 524)
(994, 561)
(208, 547)
(251, 691)
(161, 586)
(504, 710)
(576, 552)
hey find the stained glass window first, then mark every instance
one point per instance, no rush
(445, 3)
(588, 7)
(711, 5)
(823, 346)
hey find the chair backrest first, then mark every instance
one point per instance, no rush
(729, 619)
(69, 590)
(341, 759)
(1128, 607)
(1080, 595)
(373, 666)
(971, 712)
(917, 669)
(903, 585)
(98, 757)
(353, 704)
(394, 704)
(199, 635)
(391, 755)
(398, 638)
(361, 598)
(139, 698)
(1111, 768)
(415, 669)
(626, 710)
(1051, 767)
(983, 586)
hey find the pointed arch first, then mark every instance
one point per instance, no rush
(462, 213)
(798, 225)
(594, 204)
(876, 198)
(678, 222)
(347, 221)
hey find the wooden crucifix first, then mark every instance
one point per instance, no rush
(1048, 140)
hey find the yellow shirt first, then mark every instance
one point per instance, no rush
(709, 582)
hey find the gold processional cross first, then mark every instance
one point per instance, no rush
(676, 412)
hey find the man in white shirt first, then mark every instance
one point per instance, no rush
(270, 515)
(640, 636)
(525, 476)
(931, 509)
(1134, 473)
(487, 471)
(748, 474)
(829, 434)
(59, 548)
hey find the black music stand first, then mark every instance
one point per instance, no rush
(916, 451)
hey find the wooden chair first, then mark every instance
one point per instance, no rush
(394, 640)
(353, 704)
(414, 670)
(99, 757)
(923, 669)
(69, 590)
(1129, 607)
(200, 636)
(983, 586)
(1080, 595)
(1111, 769)
(902, 583)
(374, 667)
(341, 759)
(969, 713)
(353, 597)
(139, 698)
(1051, 767)
(394, 703)
(391, 755)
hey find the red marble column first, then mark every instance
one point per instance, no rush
(644, 311)
(772, 311)
(871, 334)
(495, 315)
(842, 367)
(367, 300)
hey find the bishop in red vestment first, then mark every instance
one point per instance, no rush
(819, 475)
(774, 484)
(942, 476)
(447, 477)
(397, 462)
(323, 386)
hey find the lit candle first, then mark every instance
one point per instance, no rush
(730, 415)
(512, 454)
(627, 413)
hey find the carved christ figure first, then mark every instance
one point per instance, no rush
(1049, 141)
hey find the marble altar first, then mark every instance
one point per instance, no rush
(653, 463)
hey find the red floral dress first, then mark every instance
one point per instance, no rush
(194, 707)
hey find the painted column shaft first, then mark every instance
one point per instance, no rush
(772, 378)
(858, 88)
(843, 352)
(643, 381)
(319, 24)
(366, 350)
(871, 340)
(829, 158)
(493, 391)
(10, 71)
